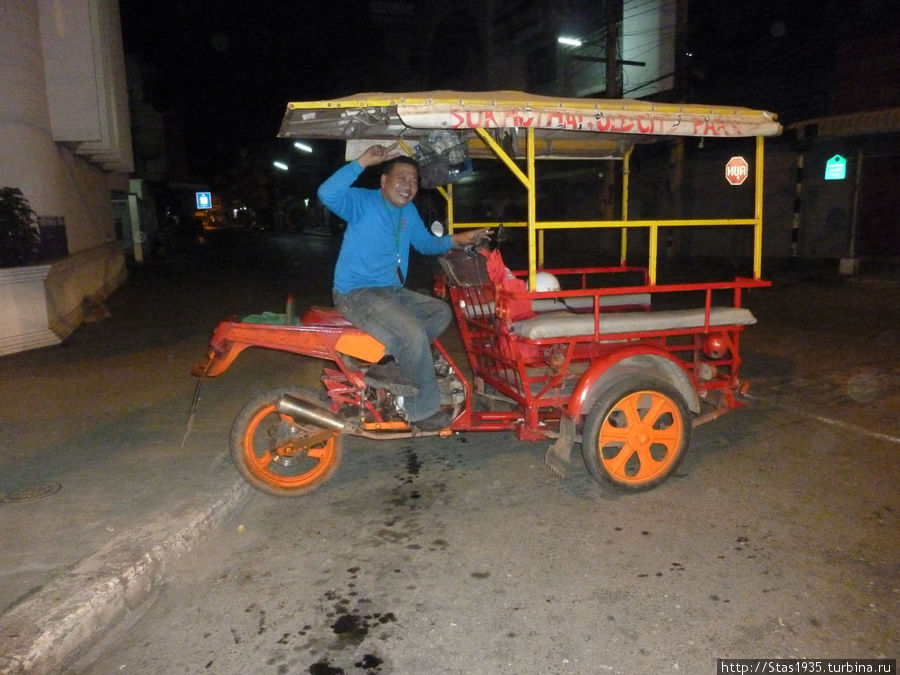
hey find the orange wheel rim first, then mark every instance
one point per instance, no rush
(268, 464)
(641, 437)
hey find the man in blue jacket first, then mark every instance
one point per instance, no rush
(371, 271)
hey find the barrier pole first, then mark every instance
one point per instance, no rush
(626, 175)
(758, 210)
(532, 211)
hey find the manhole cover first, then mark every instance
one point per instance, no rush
(30, 494)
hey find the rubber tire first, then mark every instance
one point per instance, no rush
(607, 467)
(261, 410)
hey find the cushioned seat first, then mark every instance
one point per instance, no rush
(569, 324)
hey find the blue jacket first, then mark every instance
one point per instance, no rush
(378, 234)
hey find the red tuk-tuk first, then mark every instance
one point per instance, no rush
(606, 357)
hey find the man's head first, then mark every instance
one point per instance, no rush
(400, 180)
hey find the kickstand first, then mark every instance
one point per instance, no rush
(190, 419)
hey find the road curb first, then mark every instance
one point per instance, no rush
(53, 627)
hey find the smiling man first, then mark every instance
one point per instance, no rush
(370, 274)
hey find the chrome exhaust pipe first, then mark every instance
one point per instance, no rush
(308, 413)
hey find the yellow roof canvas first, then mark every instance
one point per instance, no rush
(563, 127)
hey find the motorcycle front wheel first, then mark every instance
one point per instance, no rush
(278, 455)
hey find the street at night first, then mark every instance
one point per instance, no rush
(466, 554)
(659, 433)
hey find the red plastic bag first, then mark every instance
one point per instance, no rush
(519, 308)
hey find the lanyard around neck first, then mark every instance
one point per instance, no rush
(396, 223)
(397, 226)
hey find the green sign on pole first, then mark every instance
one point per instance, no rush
(836, 168)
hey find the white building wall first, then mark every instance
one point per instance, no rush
(50, 172)
(29, 155)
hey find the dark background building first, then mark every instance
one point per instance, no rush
(210, 82)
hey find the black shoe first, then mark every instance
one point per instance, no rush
(387, 375)
(439, 420)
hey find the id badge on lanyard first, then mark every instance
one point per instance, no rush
(398, 226)
(398, 269)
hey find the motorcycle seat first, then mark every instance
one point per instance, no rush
(324, 316)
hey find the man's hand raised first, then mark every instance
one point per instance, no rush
(376, 154)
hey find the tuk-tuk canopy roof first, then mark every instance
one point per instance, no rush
(564, 127)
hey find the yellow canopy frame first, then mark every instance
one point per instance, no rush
(507, 125)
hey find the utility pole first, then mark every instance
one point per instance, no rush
(676, 154)
(613, 21)
(613, 90)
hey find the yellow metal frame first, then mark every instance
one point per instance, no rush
(548, 127)
(536, 229)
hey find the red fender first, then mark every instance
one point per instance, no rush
(636, 359)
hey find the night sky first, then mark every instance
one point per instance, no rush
(227, 68)
(777, 56)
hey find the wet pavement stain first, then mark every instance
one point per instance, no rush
(369, 662)
(412, 463)
(352, 621)
(324, 668)
(352, 627)
(349, 617)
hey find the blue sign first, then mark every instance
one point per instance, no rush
(836, 168)
(204, 200)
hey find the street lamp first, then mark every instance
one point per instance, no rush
(569, 41)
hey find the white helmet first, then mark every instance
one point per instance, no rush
(544, 281)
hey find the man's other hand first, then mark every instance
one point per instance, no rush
(470, 237)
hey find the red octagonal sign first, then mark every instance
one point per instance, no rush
(737, 170)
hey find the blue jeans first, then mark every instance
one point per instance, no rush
(406, 323)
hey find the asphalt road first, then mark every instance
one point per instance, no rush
(777, 537)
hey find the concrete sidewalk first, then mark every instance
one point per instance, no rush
(97, 495)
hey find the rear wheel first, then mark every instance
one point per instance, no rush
(278, 455)
(636, 433)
